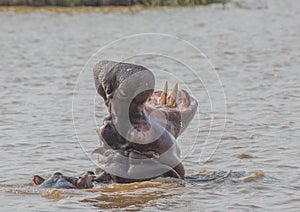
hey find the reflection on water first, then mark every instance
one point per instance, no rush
(135, 196)
(256, 54)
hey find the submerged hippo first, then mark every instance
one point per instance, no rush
(138, 138)
(58, 180)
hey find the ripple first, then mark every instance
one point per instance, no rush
(43, 53)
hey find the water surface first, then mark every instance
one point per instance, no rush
(256, 54)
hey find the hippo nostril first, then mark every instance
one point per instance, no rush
(108, 88)
(110, 95)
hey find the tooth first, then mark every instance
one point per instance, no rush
(186, 99)
(173, 95)
(163, 96)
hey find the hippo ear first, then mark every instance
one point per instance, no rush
(38, 180)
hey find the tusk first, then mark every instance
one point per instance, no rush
(172, 97)
(163, 96)
(186, 99)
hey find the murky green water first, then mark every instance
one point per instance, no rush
(256, 54)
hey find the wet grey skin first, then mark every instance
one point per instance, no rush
(134, 131)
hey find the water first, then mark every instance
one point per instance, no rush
(255, 52)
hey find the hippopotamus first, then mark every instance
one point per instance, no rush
(138, 137)
(58, 181)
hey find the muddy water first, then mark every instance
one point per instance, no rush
(255, 51)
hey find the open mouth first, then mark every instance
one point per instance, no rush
(178, 108)
(138, 139)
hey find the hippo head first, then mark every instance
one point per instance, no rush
(138, 138)
(60, 181)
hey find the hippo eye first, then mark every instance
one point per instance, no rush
(90, 173)
(57, 174)
(108, 90)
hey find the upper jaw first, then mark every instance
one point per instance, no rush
(117, 81)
